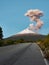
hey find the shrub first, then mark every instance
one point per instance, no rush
(9, 42)
(46, 52)
(20, 41)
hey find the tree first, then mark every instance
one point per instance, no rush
(1, 33)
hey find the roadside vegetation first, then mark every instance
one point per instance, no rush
(11, 42)
(44, 45)
(8, 42)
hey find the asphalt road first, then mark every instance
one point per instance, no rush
(21, 54)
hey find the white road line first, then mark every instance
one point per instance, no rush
(43, 57)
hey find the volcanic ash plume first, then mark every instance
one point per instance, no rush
(31, 27)
(35, 15)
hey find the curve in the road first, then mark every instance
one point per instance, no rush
(22, 54)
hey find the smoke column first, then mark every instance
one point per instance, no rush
(34, 16)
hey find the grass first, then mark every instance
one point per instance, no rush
(44, 45)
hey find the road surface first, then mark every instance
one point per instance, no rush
(21, 54)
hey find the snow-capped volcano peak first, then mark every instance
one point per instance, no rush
(25, 31)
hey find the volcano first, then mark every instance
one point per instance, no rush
(27, 35)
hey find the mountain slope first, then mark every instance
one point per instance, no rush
(27, 37)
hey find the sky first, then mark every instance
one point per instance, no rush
(12, 19)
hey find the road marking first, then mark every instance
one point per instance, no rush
(43, 57)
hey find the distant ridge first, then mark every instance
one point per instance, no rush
(27, 37)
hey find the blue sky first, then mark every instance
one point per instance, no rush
(12, 19)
